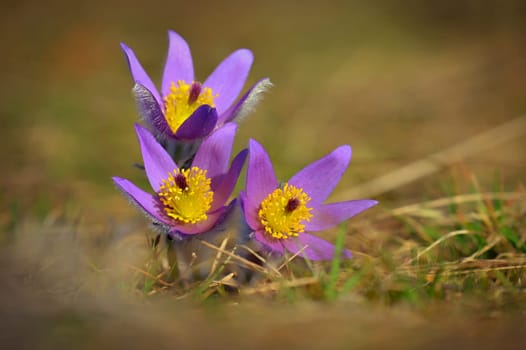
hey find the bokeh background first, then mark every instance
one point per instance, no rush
(397, 81)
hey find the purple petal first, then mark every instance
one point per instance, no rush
(273, 245)
(261, 180)
(150, 110)
(247, 103)
(145, 201)
(199, 124)
(326, 216)
(223, 189)
(314, 248)
(179, 65)
(200, 227)
(319, 178)
(214, 153)
(228, 78)
(139, 74)
(157, 163)
(250, 212)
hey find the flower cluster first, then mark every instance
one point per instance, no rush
(186, 150)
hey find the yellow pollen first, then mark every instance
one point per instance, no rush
(183, 100)
(284, 212)
(186, 195)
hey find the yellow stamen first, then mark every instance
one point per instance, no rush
(284, 212)
(186, 195)
(183, 100)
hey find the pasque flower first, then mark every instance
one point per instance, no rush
(191, 200)
(184, 108)
(281, 215)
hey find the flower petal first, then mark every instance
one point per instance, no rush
(200, 227)
(247, 103)
(139, 74)
(312, 247)
(261, 180)
(228, 78)
(179, 65)
(326, 216)
(214, 153)
(226, 183)
(199, 124)
(157, 163)
(273, 245)
(319, 178)
(145, 201)
(150, 110)
(250, 212)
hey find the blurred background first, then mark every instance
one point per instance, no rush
(396, 80)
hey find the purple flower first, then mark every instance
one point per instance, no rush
(186, 201)
(281, 215)
(184, 108)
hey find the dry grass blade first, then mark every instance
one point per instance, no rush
(242, 260)
(275, 286)
(486, 248)
(149, 275)
(286, 262)
(274, 270)
(433, 163)
(477, 263)
(465, 270)
(214, 286)
(228, 280)
(254, 253)
(464, 198)
(437, 242)
(215, 264)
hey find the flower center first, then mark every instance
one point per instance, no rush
(283, 212)
(183, 100)
(186, 195)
